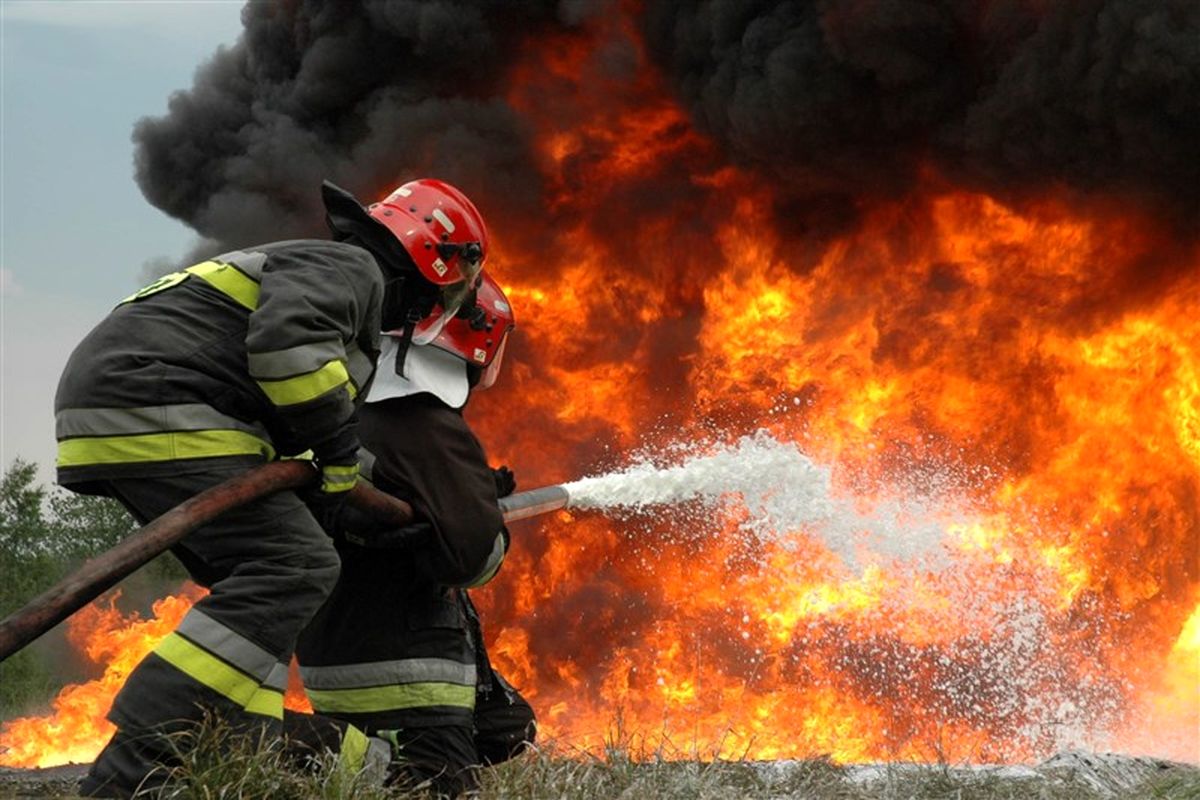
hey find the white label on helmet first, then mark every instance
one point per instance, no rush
(439, 266)
(441, 217)
(403, 191)
(480, 355)
(500, 305)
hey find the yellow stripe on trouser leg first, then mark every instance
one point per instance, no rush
(338, 478)
(227, 681)
(267, 702)
(386, 698)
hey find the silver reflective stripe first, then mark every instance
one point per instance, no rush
(298, 360)
(386, 673)
(249, 263)
(229, 645)
(150, 419)
(278, 679)
(359, 366)
(376, 761)
(366, 463)
(492, 564)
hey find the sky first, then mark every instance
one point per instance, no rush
(75, 231)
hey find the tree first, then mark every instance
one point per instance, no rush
(44, 534)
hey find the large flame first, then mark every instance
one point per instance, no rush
(1007, 364)
(115, 643)
(1022, 373)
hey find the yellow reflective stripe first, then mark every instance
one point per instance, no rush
(267, 702)
(309, 386)
(353, 751)
(169, 446)
(395, 696)
(203, 667)
(229, 280)
(165, 282)
(338, 478)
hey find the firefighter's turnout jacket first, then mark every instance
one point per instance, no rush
(184, 385)
(390, 648)
(251, 354)
(397, 648)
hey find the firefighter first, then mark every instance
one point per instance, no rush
(254, 354)
(397, 650)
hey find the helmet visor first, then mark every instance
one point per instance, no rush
(492, 370)
(431, 327)
(452, 297)
(450, 301)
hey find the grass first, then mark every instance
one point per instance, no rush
(216, 766)
(546, 776)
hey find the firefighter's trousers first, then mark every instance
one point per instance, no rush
(402, 658)
(438, 758)
(269, 566)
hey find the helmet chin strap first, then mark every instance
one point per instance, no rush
(404, 309)
(405, 340)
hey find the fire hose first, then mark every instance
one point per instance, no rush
(101, 573)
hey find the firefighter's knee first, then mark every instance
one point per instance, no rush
(323, 569)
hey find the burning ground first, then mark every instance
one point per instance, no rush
(949, 251)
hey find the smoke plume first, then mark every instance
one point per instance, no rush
(364, 94)
(837, 101)
(859, 95)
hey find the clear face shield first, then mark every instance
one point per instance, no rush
(492, 370)
(453, 296)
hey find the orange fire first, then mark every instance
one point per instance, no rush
(1021, 371)
(76, 729)
(1034, 359)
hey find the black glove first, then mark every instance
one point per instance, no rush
(328, 509)
(506, 482)
(337, 460)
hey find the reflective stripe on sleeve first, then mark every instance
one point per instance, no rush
(360, 367)
(492, 566)
(366, 464)
(386, 698)
(299, 360)
(335, 478)
(309, 386)
(230, 281)
(224, 679)
(151, 447)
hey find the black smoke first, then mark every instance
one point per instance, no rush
(856, 97)
(366, 94)
(836, 101)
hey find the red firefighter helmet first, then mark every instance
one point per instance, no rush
(478, 336)
(445, 235)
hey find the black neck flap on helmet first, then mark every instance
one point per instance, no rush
(348, 220)
(407, 296)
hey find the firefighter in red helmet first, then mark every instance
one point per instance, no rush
(398, 650)
(250, 355)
